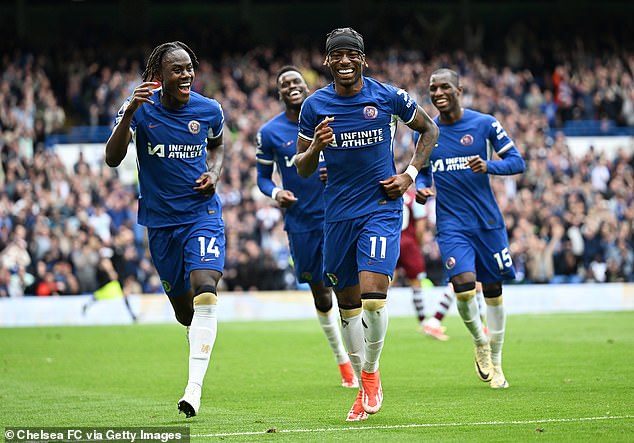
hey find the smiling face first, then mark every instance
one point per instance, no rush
(346, 67)
(444, 92)
(177, 77)
(292, 88)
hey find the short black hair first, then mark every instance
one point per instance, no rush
(285, 69)
(455, 78)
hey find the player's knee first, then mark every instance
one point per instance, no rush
(492, 294)
(322, 299)
(184, 318)
(205, 295)
(373, 301)
(465, 291)
(323, 306)
(349, 311)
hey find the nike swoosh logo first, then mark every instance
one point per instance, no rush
(152, 126)
(482, 374)
(207, 259)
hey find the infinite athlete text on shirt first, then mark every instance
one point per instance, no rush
(361, 138)
(185, 151)
(178, 151)
(452, 164)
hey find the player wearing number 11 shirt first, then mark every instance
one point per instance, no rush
(470, 228)
(353, 121)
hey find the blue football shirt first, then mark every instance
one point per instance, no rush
(171, 149)
(464, 199)
(276, 144)
(364, 127)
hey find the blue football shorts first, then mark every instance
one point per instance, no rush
(307, 252)
(485, 252)
(178, 250)
(368, 243)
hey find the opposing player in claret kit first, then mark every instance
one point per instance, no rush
(303, 204)
(411, 262)
(471, 232)
(352, 121)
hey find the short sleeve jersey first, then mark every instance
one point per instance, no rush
(171, 149)
(362, 155)
(276, 143)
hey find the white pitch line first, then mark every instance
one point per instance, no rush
(421, 425)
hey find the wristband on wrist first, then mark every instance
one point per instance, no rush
(274, 192)
(412, 172)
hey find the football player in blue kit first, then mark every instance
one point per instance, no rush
(178, 137)
(303, 204)
(470, 229)
(353, 121)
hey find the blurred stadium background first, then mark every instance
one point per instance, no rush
(557, 74)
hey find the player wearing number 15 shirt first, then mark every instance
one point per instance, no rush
(470, 228)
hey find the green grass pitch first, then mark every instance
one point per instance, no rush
(571, 377)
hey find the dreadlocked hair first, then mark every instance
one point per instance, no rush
(153, 66)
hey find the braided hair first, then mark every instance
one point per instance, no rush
(154, 62)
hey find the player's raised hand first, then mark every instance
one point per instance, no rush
(478, 164)
(285, 198)
(324, 134)
(206, 183)
(142, 94)
(423, 194)
(396, 185)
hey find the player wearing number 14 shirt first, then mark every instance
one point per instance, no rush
(178, 138)
(470, 228)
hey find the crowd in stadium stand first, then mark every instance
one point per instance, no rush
(570, 219)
